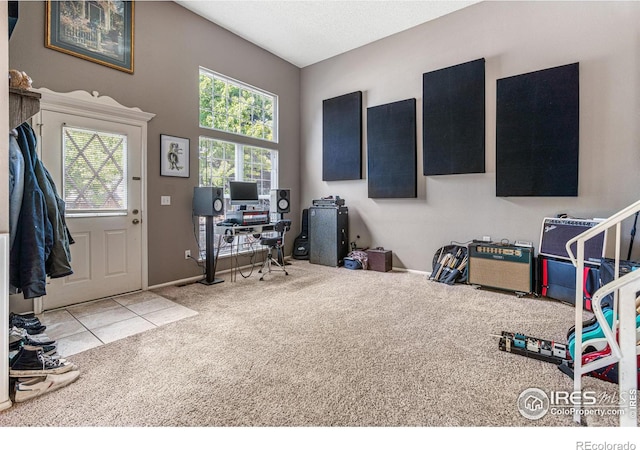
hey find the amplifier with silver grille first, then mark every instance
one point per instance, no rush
(556, 232)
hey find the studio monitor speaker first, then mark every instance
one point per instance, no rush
(208, 201)
(280, 201)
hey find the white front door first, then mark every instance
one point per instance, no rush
(96, 166)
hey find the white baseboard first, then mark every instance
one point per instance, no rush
(199, 277)
(176, 282)
(417, 272)
(286, 258)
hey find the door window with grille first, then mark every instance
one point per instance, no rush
(94, 172)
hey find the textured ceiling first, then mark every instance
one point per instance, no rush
(305, 32)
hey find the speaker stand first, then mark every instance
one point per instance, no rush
(211, 255)
(281, 260)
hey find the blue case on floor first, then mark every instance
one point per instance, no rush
(352, 264)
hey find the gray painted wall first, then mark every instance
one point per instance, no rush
(170, 45)
(514, 38)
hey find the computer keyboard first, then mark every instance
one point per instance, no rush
(229, 223)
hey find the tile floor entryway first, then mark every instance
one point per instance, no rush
(88, 325)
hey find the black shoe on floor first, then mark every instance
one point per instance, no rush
(21, 322)
(23, 315)
(17, 320)
(47, 347)
(35, 329)
(31, 361)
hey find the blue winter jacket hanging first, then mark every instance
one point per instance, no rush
(34, 235)
(42, 240)
(16, 185)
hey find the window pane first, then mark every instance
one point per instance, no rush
(234, 107)
(219, 87)
(218, 167)
(94, 170)
(217, 162)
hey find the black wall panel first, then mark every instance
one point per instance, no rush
(537, 133)
(342, 137)
(13, 16)
(453, 116)
(391, 156)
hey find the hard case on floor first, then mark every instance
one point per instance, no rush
(558, 281)
(379, 259)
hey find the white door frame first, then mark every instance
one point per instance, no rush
(5, 401)
(98, 107)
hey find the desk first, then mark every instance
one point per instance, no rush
(229, 232)
(235, 230)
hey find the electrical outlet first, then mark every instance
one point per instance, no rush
(486, 238)
(187, 254)
(165, 200)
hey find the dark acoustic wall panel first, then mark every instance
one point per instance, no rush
(537, 133)
(391, 158)
(13, 16)
(342, 137)
(453, 119)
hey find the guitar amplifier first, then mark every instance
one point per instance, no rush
(556, 232)
(498, 266)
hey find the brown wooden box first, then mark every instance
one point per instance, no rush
(379, 260)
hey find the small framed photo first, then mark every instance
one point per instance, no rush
(174, 156)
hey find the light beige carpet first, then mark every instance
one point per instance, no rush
(321, 347)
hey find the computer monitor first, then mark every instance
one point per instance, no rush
(243, 192)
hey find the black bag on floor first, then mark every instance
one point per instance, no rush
(301, 243)
(607, 275)
(450, 264)
(559, 281)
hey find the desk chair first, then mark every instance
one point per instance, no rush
(275, 244)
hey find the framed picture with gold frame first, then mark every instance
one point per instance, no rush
(101, 32)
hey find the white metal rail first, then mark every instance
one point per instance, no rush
(624, 350)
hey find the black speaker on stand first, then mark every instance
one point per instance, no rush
(279, 204)
(208, 202)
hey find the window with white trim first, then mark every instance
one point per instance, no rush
(221, 162)
(95, 171)
(234, 107)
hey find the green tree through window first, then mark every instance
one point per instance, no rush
(234, 107)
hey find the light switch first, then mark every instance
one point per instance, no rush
(165, 200)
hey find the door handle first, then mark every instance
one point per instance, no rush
(135, 221)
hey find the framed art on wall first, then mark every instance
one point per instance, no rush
(101, 32)
(174, 156)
